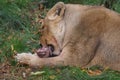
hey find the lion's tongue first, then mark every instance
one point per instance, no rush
(44, 52)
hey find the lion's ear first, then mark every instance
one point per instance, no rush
(57, 11)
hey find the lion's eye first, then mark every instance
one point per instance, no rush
(43, 27)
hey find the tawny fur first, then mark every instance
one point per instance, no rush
(86, 35)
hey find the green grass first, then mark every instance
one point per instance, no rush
(19, 33)
(73, 73)
(16, 27)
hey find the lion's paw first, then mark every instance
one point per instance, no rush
(24, 58)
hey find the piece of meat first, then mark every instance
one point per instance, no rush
(44, 52)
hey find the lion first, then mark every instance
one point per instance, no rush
(80, 35)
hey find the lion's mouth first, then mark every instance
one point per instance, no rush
(45, 52)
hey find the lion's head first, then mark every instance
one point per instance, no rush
(53, 29)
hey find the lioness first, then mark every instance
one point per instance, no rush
(81, 35)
